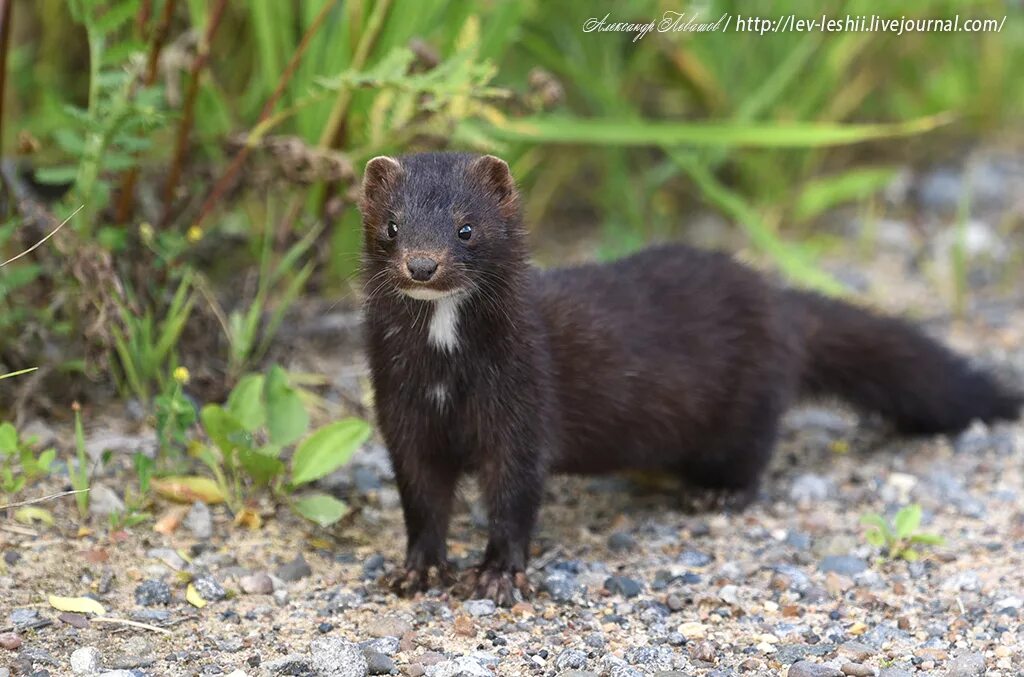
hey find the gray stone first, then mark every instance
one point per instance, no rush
(651, 658)
(809, 488)
(479, 607)
(199, 520)
(336, 657)
(295, 570)
(168, 556)
(847, 565)
(21, 618)
(292, 664)
(388, 646)
(571, 659)
(463, 666)
(807, 669)
(378, 663)
(86, 660)
(623, 585)
(895, 672)
(104, 501)
(259, 583)
(621, 541)
(966, 665)
(695, 558)
(152, 593)
(563, 586)
(209, 589)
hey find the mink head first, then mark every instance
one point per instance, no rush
(440, 224)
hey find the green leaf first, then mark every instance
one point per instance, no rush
(246, 402)
(225, 430)
(287, 418)
(910, 555)
(33, 513)
(825, 193)
(8, 439)
(907, 520)
(927, 539)
(262, 468)
(875, 520)
(874, 537)
(327, 449)
(320, 508)
(634, 132)
(56, 175)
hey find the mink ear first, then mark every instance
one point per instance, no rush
(379, 179)
(495, 175)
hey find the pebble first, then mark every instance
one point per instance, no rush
(621, 541)
(259, 583)
(693, 630)
(858, 670)
(695, 558)
(571, 659)
(292, 664)
(810, 489)
(623, 585)
(152, 593)
(378, 663)
(966, 665)
(337, 657)
(479, 607)
(808, 669)
(846, 565)
(653, 658)
(705, 651)
(21, 618)
(85, 660)
(10, 641)
(199, 520)
(209, 589)
(562, 586)
(463, 666)
(104, 501)
(295, 570)
(168, 556)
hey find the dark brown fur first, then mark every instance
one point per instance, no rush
(672, 359)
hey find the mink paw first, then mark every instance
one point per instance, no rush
(406, 582)
(502, 587)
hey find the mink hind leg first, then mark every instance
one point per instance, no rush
(732, 463)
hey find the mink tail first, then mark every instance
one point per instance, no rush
(885, 365)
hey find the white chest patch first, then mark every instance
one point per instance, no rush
(439, 393)
(444, 324)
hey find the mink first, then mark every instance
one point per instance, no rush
(673, 359)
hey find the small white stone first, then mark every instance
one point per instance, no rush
(85, 661)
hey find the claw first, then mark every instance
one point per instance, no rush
(504, 588)
(407, 582)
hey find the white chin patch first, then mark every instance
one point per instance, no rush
(426, 294)
(444, 323)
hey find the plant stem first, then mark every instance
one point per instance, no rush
(188, 110)
(5, 41)
(126, 203)
(333, 131)
(228, 177)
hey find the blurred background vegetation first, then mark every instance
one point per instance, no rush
(206, 153)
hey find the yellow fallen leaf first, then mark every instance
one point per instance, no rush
(188, 489)
(80, 605)
(193, 597)
(31, 513)
(248, 518)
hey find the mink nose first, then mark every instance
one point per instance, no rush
(421, 268)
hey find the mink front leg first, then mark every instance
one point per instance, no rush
(512, 480)
(426, 487)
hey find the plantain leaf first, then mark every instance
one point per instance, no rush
(327, 449)
(320, 508)
(287, 418)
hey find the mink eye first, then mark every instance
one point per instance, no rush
(465, 232)
(392, 229)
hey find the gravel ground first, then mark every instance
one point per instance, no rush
(633, 576)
